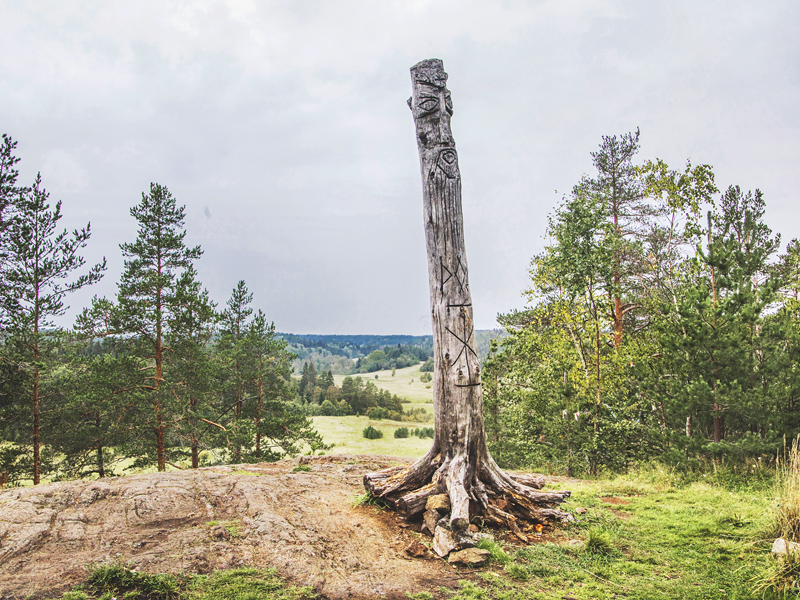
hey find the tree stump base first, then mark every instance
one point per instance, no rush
(485, 493)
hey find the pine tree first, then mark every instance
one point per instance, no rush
(714, 370)
(98, 387)
(149, 299)
(8, 196)
(193, 366)
(39, 272)
(278, 432)
(617, 194)
(234, 326)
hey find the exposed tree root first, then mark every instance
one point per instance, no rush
(485, 491)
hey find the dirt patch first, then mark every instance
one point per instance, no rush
(302, 523)
(614, 500)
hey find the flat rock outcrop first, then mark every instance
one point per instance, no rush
(197, 521)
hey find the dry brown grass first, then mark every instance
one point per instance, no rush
(787, 510)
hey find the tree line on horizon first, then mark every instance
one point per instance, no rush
(662, 322)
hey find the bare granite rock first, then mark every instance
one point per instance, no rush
(197, 521)
(471, 557)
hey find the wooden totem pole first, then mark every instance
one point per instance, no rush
(458, 463)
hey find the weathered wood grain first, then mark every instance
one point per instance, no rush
(459, 461)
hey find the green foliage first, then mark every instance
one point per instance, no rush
(149, 306)
(358, 396)
(336, 352)
(301, 469)
(367, 499)
(377, 413)
(391, 357)
(116, 580)
(371, 433)
(650, 333)
(598, 541)
(424, 432)
(496, 552)
(38, 265)
(242, 583)
(149, 377)
(401, 432)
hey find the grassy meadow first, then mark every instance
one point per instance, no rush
(345, 432)
(405, 383)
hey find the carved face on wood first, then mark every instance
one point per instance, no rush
(433, 106)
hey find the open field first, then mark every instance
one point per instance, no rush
(405, 383)
(345, 433)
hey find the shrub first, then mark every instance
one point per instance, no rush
(328, 409)
(401, 432)
(371, 433)
(377, 413)
(424, 432)
(599, 542)
(496, 552)
(426, 377)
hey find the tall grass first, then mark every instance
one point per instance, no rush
(787, 510)
(781, 575)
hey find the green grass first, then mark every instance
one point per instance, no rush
(116, 581)
(234, 526)
(346, 435)
(405, 384)
(695, 541)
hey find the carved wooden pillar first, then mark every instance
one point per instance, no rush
(457, 398)
(458, 463)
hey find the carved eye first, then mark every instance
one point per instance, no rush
(428, 104)
(448, 103)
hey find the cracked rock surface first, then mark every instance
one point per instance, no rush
(197, 521)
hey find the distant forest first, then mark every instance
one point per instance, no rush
(352, 354)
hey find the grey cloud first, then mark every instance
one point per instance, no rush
(287, 123)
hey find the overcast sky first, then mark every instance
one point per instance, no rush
(283, 128)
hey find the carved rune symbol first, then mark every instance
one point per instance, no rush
(448, 163)
(465, 337)
(435, 77)
(458, 273)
